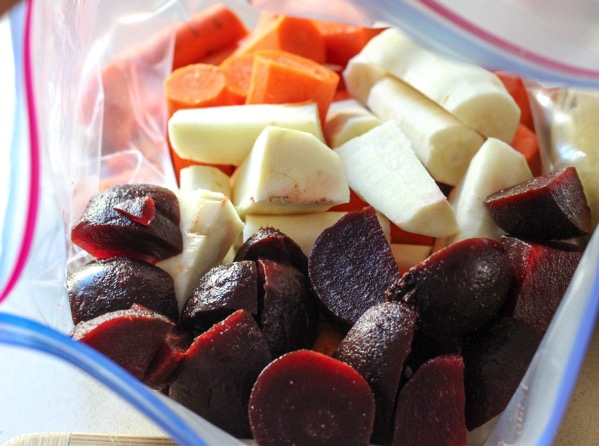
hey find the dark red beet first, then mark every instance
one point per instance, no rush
(221, 291)
(272, 244)
(139, 209)
(430, 407)
(165, 365)
(105, 230)
(377, 346)
(543, 273)
(289, 314)
(106, 285)
(547, 207)
(495, 361)
(219, 370)
(457, 289)
(351, 265)
(130, 338)
(307, 398)
(425, 348)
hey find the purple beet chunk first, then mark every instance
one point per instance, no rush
(106, 285)
(131, 338)
(105, 230)
(425, 348)
(351, 265)
(163, 369)
(221, 291)
(430, 407)
(458, 289)
(549, 207)
(139, 209)
(377, 346)
(219, 370)
(495, 361)
(307, 398)
(270, 243)
(543, 273)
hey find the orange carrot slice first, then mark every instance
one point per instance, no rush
(238, 71)
(218, 57)
(355, 203)
(281, 77)
(526, 142)
(515, 86)
(280, 32)
(208, 31)
(398, 235)
(342, 42)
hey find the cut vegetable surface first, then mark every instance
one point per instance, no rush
(346, 120)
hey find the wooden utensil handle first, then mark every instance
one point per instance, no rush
(81, 439)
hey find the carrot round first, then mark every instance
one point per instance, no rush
(342, 41)
(526, 142)
(291, 34)
(238, 71)
(208, 31)
(280, 77)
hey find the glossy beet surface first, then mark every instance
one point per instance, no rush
(272, 244)
(543, 273)
(131, 338)
(307, 398)
(547, 207)
(106, 285)
(351, 265)
(457, 289)
(111, 226)
(377, 346)
(288, 315)
(221, 291)
(165, 365)
(430, 407)
(495, 362)
(219, 370)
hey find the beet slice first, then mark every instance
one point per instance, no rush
(289, 313)
(495, 361)
(219, 370)
(130, 338)
(139, 209)
(270, 243)
(351, 265)
(106, 285)
(110, 227)
(430, 407)
(223, 290)
(458, 289)
(165, 365)
(377, 346)
(543, 273)
(548, 207)
(307, 398)
(425, 348)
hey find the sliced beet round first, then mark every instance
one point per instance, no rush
(458, 289)
(165, 365)
(270, 243)
(351, 265)
(543, 273)
(430, 407)
(425, 348)
(495, 361)
(106, 285)
(131, 338)
(289, 313)
(377, 346)
(307, 398)
(548, 207)
(219, 369)
(223, 290)
(112, 227)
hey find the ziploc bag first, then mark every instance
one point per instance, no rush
(70, 42)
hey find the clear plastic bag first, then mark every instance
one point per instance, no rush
(80, 151)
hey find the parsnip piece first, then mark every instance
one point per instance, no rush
(408, 256)
(289, 172)
(476, 96)
(443, 143)
(383, 169)
(225, 135)
(204, 177)
(346, 120)
(360, 75)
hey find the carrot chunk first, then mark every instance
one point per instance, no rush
(526, 142)
(281, 77)
(515, 87)
(238, 71)
(291, 34)
(398, 235)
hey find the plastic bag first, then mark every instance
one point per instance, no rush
(78, 157)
